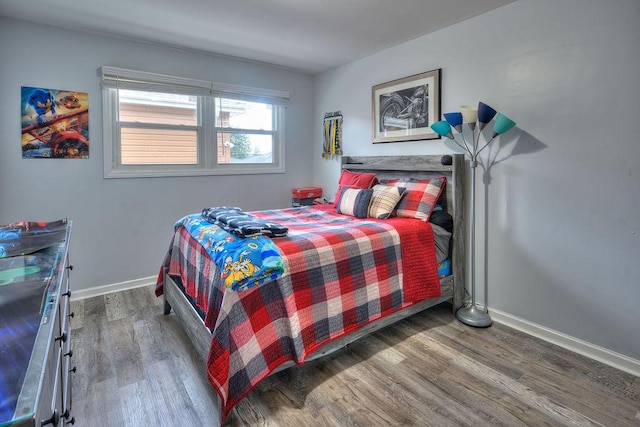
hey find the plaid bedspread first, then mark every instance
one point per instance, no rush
(341, 273)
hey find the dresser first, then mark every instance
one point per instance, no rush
(36, 355)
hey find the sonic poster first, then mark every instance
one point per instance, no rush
(55, 123)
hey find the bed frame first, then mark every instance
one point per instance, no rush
(453, 288)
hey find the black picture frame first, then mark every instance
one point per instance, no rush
(404, 109)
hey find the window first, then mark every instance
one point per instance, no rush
(244, 131)
(157, 125)
(157, 128)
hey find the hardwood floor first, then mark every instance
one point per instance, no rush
(136, 367)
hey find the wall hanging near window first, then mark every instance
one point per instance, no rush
(332, 135)
(404, 109)
(55, 123)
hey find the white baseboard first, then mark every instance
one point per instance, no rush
(592, 351)
(115, 287)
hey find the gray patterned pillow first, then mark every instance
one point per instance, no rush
(384, 200)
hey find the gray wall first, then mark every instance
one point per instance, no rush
(559, 206)
(122, 227)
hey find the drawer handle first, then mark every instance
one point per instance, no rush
(71, 421)
(69, 353)
(72, 315)
(54, 420)
(62, 337)
(73, 370)
(70, 266)
(67, 294)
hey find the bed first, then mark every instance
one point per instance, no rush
(249, 334)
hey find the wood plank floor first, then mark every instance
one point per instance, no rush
(135, 367)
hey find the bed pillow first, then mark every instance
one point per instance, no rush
(354, 180)
(442, 219)
(419, 197)
(442, 239)
(384, 200)
(354, 202)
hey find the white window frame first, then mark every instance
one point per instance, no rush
(119, 78)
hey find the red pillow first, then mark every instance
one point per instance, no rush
(354, 180)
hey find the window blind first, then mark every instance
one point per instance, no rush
(120, 78)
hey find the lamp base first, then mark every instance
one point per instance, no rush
(473, 316)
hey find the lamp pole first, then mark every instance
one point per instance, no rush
(472, 315)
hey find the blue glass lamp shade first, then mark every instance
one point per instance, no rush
(502, 124)
(455, 120)
(442, 128)
(485, 114)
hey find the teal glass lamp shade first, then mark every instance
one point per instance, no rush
(442, 128)
(455, 120)
(502, 124)
(485, 114)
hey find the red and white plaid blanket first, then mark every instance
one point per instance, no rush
(341, 274)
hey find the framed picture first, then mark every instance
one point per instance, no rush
(404, 109)
(55, 123)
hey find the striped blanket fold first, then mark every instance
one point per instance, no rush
(242, 223)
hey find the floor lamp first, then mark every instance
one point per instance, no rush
(472, 315)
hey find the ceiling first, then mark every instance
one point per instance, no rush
(307, 35)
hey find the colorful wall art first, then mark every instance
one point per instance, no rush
(55, 123)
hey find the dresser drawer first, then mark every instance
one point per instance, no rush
(68, 369)
(65, 296)
(50, 399)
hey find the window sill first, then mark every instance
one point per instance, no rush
(123, 173)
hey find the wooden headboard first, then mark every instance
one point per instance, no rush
(428, 167)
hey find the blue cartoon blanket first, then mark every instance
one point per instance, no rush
(244, 262)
